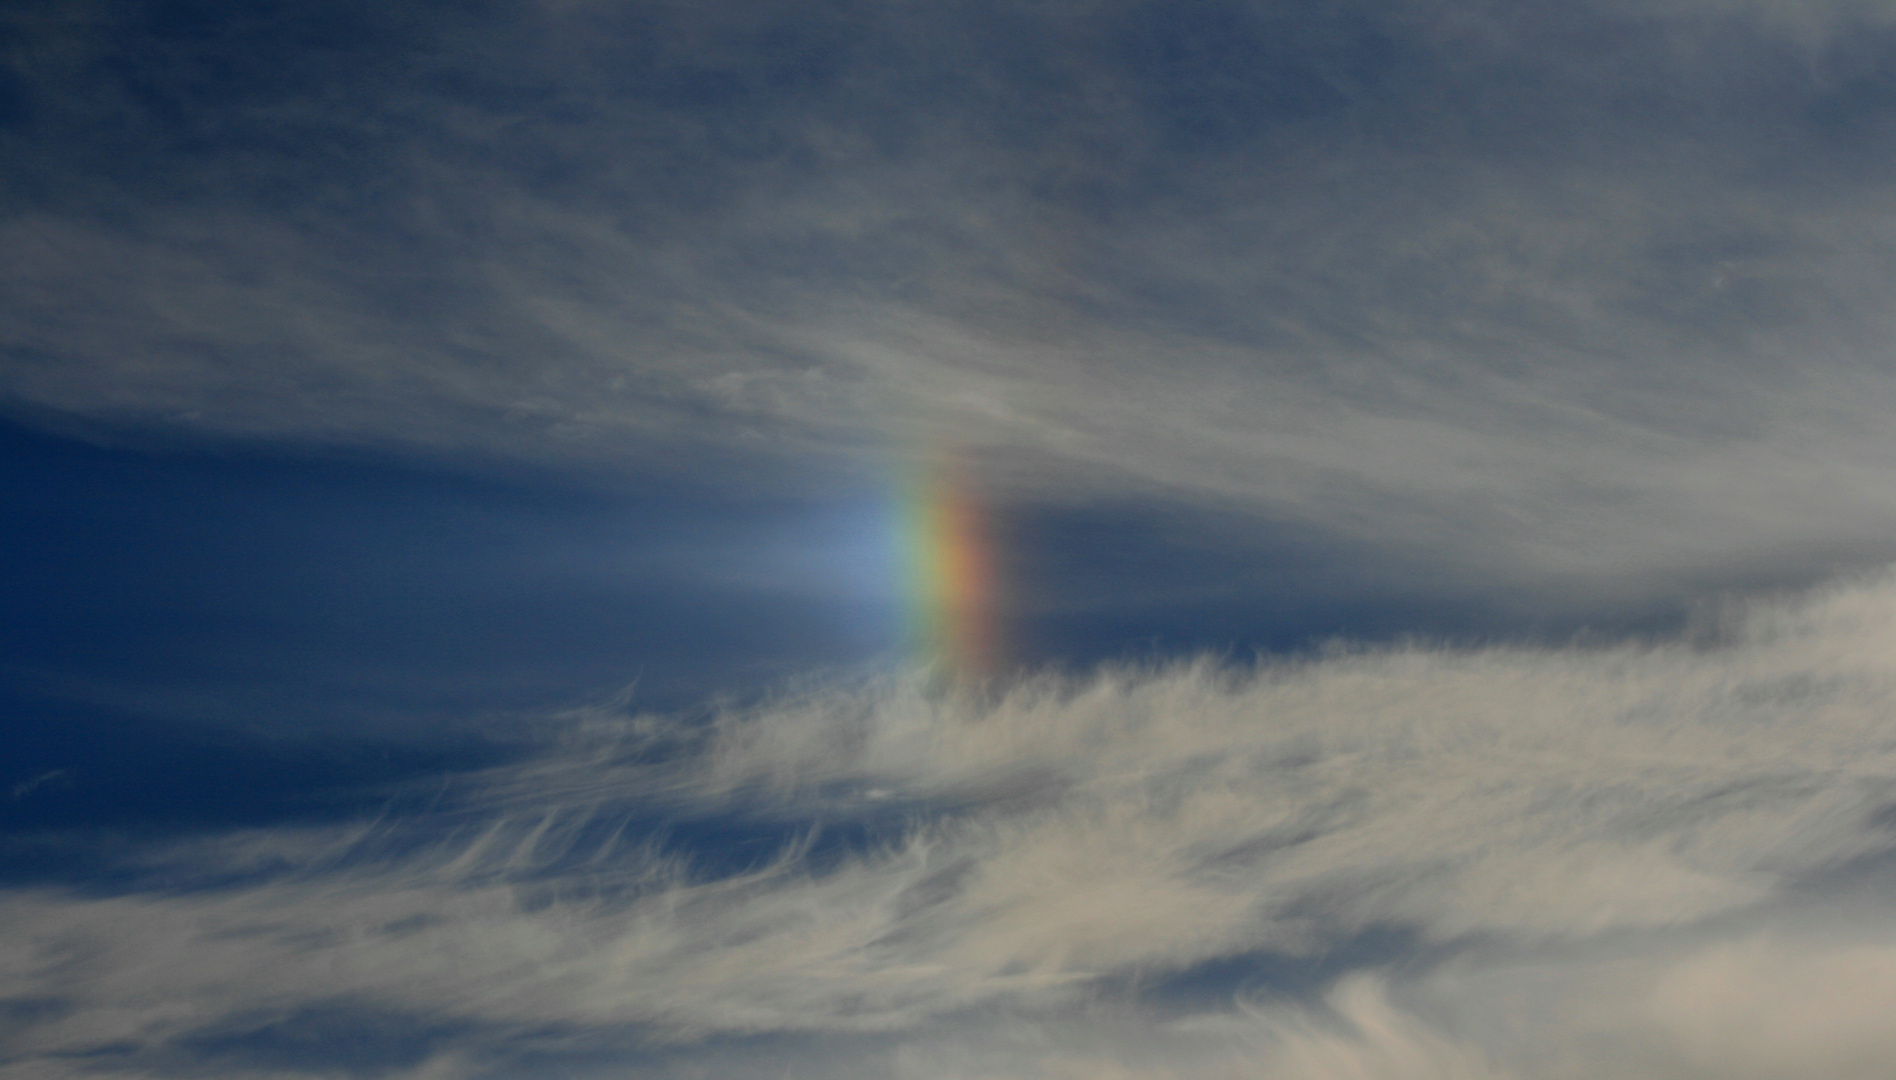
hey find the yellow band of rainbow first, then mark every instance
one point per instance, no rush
(950, 569)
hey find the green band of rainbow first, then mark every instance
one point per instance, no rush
(950, 567)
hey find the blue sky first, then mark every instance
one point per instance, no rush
(1436, 464)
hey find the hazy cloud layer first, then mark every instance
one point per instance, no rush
(1664, 861)
(1579, 291)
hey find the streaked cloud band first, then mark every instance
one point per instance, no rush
(894, 862)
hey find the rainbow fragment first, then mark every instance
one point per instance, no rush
(953, 624)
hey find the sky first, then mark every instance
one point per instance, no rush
(1308, 539)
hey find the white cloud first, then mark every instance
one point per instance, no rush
(1770, 1008)
(1032, 849)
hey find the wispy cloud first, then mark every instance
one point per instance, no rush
(28, 786)
(1576, 294)
(1584, 299)
(1585, 843)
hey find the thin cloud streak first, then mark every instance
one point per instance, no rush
(657, 886)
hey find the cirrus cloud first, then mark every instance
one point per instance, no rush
(1586, 843)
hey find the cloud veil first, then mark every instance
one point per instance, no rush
(1588, 295)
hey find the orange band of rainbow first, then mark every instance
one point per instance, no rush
(951, 573)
